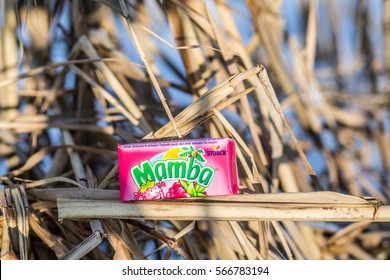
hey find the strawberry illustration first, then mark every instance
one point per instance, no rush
(149, 191)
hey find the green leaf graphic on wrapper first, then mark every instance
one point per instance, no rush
(146, 185)
(190, 151)
(193, 190)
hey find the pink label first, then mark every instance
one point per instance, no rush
(177, 169)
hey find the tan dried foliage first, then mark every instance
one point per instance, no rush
(116, 71)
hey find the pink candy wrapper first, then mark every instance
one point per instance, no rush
(177, 169)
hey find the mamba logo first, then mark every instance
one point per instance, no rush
(188, 164)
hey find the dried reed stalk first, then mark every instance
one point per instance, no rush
(322, 207)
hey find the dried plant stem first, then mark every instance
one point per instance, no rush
(318, 206)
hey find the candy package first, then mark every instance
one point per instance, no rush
(177, 169)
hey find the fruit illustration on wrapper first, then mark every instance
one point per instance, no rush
(149, 190)
(177, 169)
(184, 189)
(179, 189)
(176, 191)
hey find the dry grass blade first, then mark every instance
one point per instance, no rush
(105, 94)
(39, 156)
(21, 207)
(45, 235)
(283, 240)
(122, 240)
(109, 178)
(51, 181)
(248, 115)
(272, 96)
(347, 234)
(6, 251)
(248, 248)
(132, 108)
(53, 194)
(206, 102)
(311, 36)
(170, 242)
(16, 214)
(84, 247)
(31, 127)
(386, 27)
(183, 232)
(148, 68)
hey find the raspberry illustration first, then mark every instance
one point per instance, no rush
(176, 191)
(183, 189)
